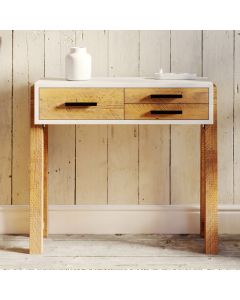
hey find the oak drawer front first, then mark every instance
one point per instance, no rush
(81, 103)
(166, 95)
(166, 111)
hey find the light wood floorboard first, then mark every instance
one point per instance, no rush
(119, 252)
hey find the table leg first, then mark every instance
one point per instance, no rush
(45, 214)
(209, 186)
(211, 210)
(36, 189)
(202, 182)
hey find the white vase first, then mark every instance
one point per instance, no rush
(78, 64)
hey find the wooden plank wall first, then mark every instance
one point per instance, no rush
(118, 164)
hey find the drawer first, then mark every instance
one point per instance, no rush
(166, 111)
(166, 95)
(81, 103)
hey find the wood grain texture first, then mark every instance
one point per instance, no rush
(202, 182)
(36, 190)
(91, 165)
(186, 56)
(211, 185)
(153, 165)
(61, 138)
(28, 66)
(91, 141)
(154, 51)
(110, 103)
(6, 116)
(154, 141)
(125, 252)
(96, 42)
(123, 53)
(122, 164)
(189, 95)
(218, 66)
(45, 208)
(236, 124)
(36, 186)
(189, 111)
(123, 140)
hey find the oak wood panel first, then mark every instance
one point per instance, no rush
(211, 184)
(45, 196)
(28, 66)
(236, 118)
(109, 103)
(36, 190)
(123, 140)
(36, 182)
(6, 116)
(202, 182)
(189, 111)
(91, 140)
(218, 66)
(186, 56)
(61, 138)
(189, 95)
(154, 141)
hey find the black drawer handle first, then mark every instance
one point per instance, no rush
(80, 104)
(164, 96)
(166, 112)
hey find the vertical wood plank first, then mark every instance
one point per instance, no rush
(36, 190)
(61, 138)
(36, 184)
(123, 53)
(91, 140)
(91, 165)
(236, 124)
(202, 182)
(45, 208)
(5, 116)
(154, 51)
(28, 66)
(123, 140)
(154, 141)
(96, 42)
(218, 66)
(122, 164)
(211, 184)
(186, 56)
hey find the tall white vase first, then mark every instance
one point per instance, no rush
(78, 64)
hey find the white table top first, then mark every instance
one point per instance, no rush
(122, 82)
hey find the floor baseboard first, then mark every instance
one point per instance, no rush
(113, 219)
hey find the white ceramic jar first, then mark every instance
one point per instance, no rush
(78, 64)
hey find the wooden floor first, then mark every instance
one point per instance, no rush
(119, 252)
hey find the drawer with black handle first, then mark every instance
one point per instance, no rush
(166, 111)
(81, 104)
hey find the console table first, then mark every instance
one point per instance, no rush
(123, 101)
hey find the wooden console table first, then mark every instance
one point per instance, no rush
(123, 101)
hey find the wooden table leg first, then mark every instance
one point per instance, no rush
(202, 183)
(211, 224)
(36, 189)
(209, 186)
(45, 214)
